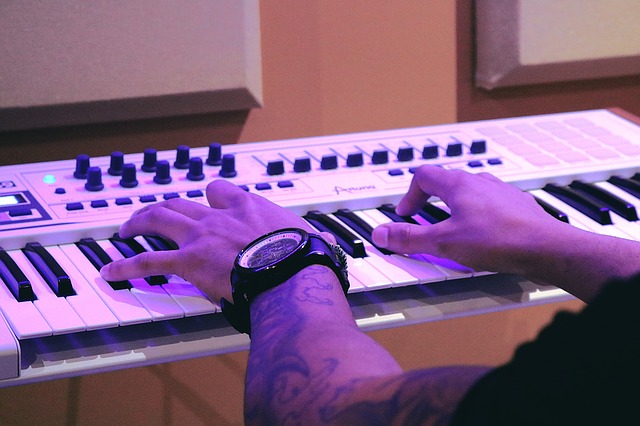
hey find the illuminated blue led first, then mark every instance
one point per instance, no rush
(49, 179)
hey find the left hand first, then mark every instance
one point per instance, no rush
(209, 238)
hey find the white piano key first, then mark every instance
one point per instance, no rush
(366, 274)
(611, 188)
(55, 310)
(122, 303)
(153, 297)
(355, 285)
(9, 351)
(23, 317)
(621, 224)
(421, 265)
(189, 297)
(631, 227)
(389, 266)
(574, 216)
(452, 269)
(578, 219)
(362, 275)
(85, 302)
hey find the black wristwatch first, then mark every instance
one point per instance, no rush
(271, 260)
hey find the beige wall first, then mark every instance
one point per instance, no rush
(329, 66)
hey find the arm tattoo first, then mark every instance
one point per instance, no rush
(286, 378)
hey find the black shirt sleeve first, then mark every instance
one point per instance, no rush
(582, 369)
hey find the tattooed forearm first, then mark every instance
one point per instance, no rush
(279, 372)
(309, 364)
(421, 397)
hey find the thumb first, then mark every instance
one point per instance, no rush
(403, 237)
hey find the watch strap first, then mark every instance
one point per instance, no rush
(319, 252)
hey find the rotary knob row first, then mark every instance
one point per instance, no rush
(150, 164)
(150, 157)
(162, 174)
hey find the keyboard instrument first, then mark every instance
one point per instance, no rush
(59, 223)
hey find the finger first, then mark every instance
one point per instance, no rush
(328, 237)
(223, 195)
(405, 238)
(143, 265)
(425, 183)
(160, 221)
(433, 181)
(489, 177)
(185, 207)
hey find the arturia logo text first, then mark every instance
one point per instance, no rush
(352, 189)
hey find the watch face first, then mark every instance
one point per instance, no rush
(270, 249)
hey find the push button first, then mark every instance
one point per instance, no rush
(20, 211)
(285, 184)
(123, 201)
(263, 186)
(96, 204)
(74, 206)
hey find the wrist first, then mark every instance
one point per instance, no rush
(270, 261)
(311, 298)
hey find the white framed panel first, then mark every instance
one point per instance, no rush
(523, 42)
(67, 62)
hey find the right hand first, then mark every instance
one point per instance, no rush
(491, 226)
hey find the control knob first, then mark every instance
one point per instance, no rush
(228, 169)
(215, 154)
(94, 179)
(163, 172)
(182, 157)
(149, 160)
(129, 176)
(117, 161)
(195, 169)
(82, 166)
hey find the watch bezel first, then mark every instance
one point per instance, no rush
(248, 283)
(239, 265)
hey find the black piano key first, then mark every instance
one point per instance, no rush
(49, 269)
(630, 186)
(587, 206)
(433, 214)
(561, 216)
(389, 210)
(349, 242)
(15, 280)
(356, 223)
(158, 243)
(129, 248)
(616, 204)
(98, 258)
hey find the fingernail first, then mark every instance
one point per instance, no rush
(104, 271)
(381, 236)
